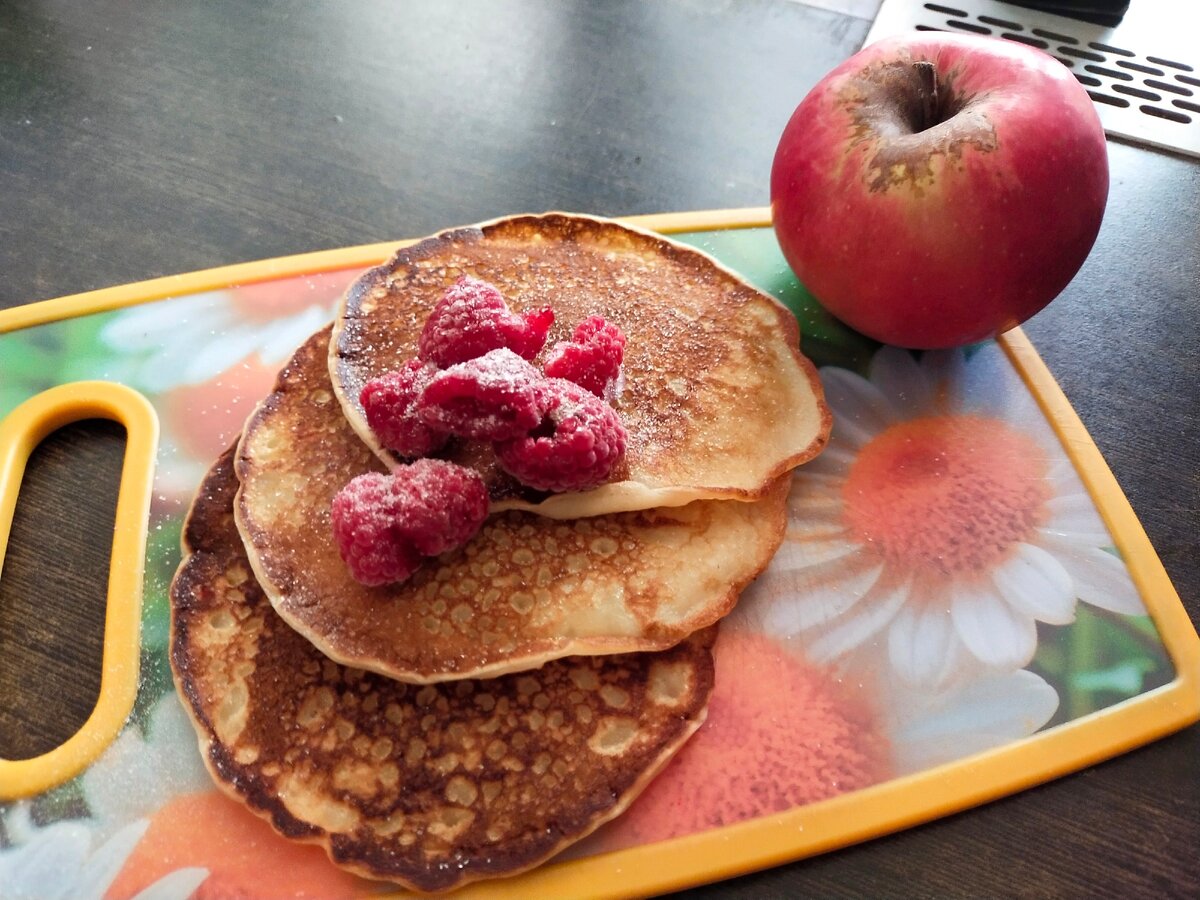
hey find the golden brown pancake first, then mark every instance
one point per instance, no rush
(524, 590)
(431, 786)
(718, 401)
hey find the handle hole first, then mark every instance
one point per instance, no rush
(54, 586)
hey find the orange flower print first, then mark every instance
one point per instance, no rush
(943, 521)
(784, 732)
(243, 855)
(780, 733)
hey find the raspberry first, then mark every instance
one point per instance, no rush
(529, 342)
(577, 445)
(363, 514)
(591, 359)
(492, 398)
(472, 318)
(441, 505)
(384, 524)
(390, 404)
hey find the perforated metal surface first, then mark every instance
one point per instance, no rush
(1145, 81)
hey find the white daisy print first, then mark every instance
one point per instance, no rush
(192, 339)
(140, 773)
(940, 525)
(58, 861)
(206, 360)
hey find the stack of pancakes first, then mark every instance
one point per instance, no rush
(516, 693)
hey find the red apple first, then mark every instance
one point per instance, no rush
(937, 189)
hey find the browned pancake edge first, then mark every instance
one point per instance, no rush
(430, 787)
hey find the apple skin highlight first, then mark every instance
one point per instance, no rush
(937, 205)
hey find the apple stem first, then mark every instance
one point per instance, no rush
(928, 88)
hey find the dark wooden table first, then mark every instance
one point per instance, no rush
(143, 139)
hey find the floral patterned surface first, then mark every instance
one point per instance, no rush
(946, 586)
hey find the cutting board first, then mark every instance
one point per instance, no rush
(965, 604)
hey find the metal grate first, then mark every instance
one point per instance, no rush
(1143, 92)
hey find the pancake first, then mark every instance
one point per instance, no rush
(524, 590)
(718, 400)
(430, 786)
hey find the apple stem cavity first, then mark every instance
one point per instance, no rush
(927, 91)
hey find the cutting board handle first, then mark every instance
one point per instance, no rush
(20, 433)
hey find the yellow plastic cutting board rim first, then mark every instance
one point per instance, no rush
(770, 840)
(20, 433)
